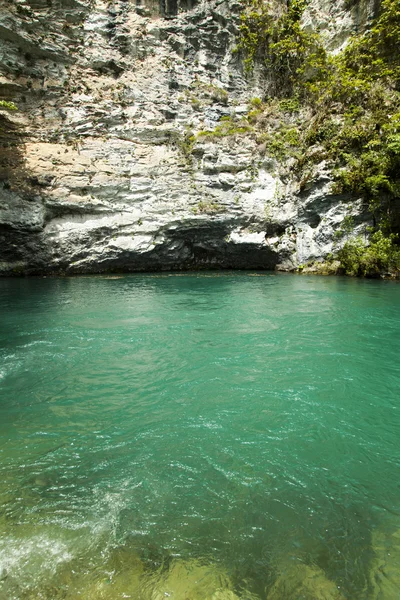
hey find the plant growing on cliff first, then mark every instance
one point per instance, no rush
(288, 54)
(185, 143)
(208, 206)
(227, 127)
(382, 255)
(8, 105)
(350, 102)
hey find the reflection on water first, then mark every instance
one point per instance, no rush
(210, 436)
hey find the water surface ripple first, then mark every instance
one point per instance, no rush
(249, 420)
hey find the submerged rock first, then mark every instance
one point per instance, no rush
(224, 595)
(120, 578)
(190, 580)
(302, 582)
(385, 570)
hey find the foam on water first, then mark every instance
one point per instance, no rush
(29, 560)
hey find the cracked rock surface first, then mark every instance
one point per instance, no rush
(98, 167)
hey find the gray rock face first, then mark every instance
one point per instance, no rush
(336, 21)
(99, 170)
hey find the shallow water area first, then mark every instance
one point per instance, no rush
(204, 436)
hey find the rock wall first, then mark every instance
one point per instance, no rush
(99, 167)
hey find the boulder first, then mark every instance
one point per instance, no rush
(303, 582)
(190, 580)
(384, 575)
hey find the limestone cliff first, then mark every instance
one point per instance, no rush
(101, 168)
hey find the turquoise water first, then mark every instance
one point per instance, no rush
(246, 421)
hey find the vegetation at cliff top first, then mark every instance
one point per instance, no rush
(350, 109)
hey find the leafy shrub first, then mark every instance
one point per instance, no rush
(255, 102)
(227, 127)
(381, 256)
(8, 105)
(289, 105)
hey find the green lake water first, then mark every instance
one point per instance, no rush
(246, 421)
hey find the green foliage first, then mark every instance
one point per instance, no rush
(208, 92)
(253, 115)
(227, 127)
(196, 103)
(218, 94)
(362, 87)
(283, 143)
(289, 54)
(366, 152)
(372, 55)
(322, 128)
(352, 100)
(289, 105)
(381, 256)
(347, 226)
(8, 105)
(208, 206)
(255, 102)
(185, 143)
(349, 107)
(201, 94)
